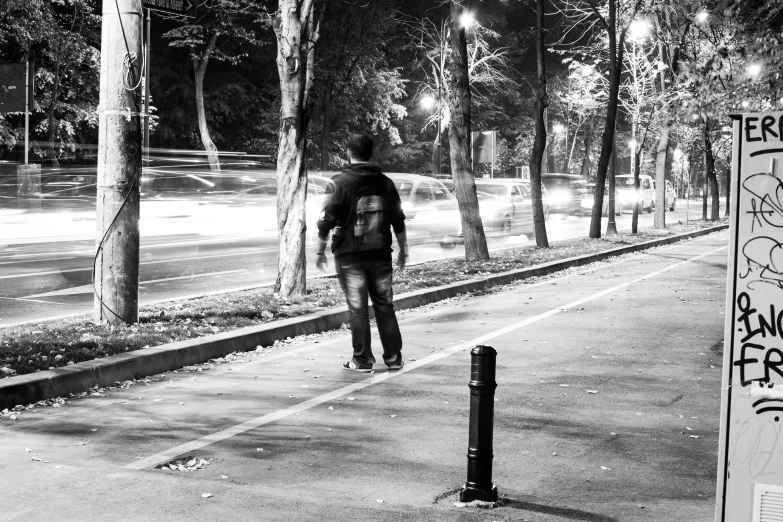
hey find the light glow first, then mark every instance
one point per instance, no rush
(639, 29)
(467, 20)
(558, 128)
(427, 102)
(702, 16)
(754, 70)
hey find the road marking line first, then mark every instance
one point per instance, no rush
(87, 289)
(377, 379)
(174, 260)
(34, 261)
(30, 301)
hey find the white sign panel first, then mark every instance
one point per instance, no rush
(750, 459)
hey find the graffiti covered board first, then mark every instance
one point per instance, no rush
(750, 459)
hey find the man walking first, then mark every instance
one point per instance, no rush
(361, 210)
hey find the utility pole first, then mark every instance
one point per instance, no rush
(147, 49)
(116, 265)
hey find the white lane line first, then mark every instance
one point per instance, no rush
(377, 379)
(34, 261)
(30, 301)
(87, 289)
(174, 260)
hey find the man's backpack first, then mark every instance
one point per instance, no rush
(370, 225)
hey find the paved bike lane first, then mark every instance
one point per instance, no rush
(607, 409)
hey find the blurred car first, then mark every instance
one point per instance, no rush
(644, 198)
(586, 199)
(506, 209)
(563, 189)
(430, 208)
(671, 196)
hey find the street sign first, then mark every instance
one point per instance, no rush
(750, 456)
(12, 82)
(176, 7)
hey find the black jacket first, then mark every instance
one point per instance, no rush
(340, 211)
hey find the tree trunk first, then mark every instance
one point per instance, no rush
(712, 177)
(326, 131)
(586, 163)
(637, 156)
(539, 143)
(116, 277)
(50, 115)
(459, 138)
(661, 153)
(200, 69)
(607, 139)
(611, 224)
(550, 153)
(728, 186)
(297, 36)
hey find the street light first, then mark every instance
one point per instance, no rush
(639, 29)
(467, 20)
(427, 102)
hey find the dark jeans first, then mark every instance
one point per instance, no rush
(358, 279)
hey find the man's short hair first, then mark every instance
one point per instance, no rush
(361, 148)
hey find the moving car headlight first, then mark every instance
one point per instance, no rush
(559, 198)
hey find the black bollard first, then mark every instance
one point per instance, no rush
(482, 416)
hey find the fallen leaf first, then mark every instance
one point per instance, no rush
(378, 500)
(28, 449)
(331, 407)
(592, 391)
(694, 436)
(351, 398)
(605, 468)
(565, 385)
(392, 416)
(82, 443)
(206, 495)
(36, 459)
(224, 476)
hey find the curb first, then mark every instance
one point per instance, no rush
(106, 371)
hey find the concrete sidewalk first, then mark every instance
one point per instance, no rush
(607, 409)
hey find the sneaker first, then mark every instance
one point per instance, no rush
(353, 367)
(396, 366)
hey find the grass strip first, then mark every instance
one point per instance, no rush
(50, 344)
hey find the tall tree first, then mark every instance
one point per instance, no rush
(220, 33)
(297, 25)
(72, 59)
(537, 154)
(460, 136)
(359, 90)
(612, 18)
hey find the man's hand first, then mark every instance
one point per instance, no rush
(402, 244)
(320, 256)
(402, 257)
(321, 261)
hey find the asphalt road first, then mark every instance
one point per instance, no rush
(188, 248)
(607, 409)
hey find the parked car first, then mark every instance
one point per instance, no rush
(586, 199)
(506, 210)
(645, 198)
(563, 189)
